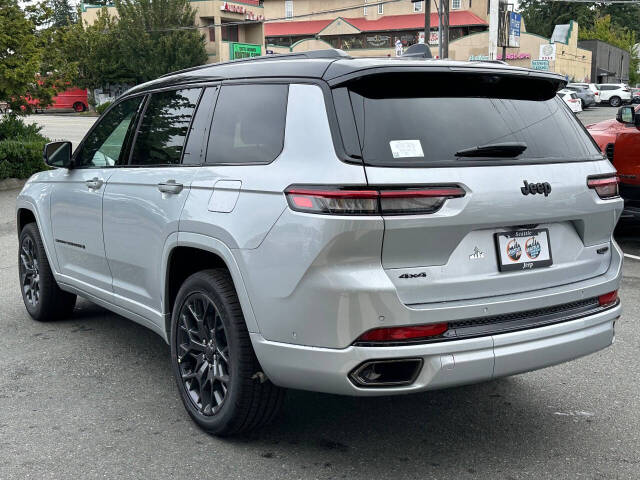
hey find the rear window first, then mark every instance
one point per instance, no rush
(404, 126)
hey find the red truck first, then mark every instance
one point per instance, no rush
(619, 140)
(75, 98)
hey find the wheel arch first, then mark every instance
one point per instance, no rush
(194, 252)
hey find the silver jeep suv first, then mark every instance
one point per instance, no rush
(350, 226)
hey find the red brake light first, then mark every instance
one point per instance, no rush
(605, 187)
(351, 201)
(608, 298)
(403, 333)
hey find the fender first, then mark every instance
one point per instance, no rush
(213, 245)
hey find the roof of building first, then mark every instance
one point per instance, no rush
(411, 21)
(333, 66)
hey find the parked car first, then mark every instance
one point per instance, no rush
(614, 93)
(635, 95)
(72, 98)
(586, 96)
(290, 221)
(619, 140)
(590, 86)
(571, 99)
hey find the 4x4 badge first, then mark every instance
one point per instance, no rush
(413, 275)
(533, 188)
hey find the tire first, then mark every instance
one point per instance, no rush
(615, 101)
(583, 105)
(41, 294)
(78, 107)
(216, 370)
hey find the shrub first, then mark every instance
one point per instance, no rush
(20, 148)
(102, 107)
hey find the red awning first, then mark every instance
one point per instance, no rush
(411, 21)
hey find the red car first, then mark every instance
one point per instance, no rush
(75, 98)
(619, 139)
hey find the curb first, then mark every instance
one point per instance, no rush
(12, 184)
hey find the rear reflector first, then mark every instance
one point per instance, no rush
(351, 201)
(395, 334)
(605, 187)
(608, 299)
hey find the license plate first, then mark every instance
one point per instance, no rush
(523, 249)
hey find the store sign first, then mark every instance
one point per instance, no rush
(434, 38)
(515, 20)
(548, 51)
(540, 64)
(510, 56)
(378, 41)
(245, 50)
(233, 8)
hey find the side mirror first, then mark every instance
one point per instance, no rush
(627, 114)
(58, 154)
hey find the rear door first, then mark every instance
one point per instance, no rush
(143, 200)
(527, 220)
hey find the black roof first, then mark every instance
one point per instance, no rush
(333, 66)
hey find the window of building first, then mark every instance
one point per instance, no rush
(248, 124)
(456, 4)
(164, 127)
(417, 7)
(364, 10)
(288, 8)
(230, 33)
(212, 34)
(380, 8)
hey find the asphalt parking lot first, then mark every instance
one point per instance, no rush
(93, 397)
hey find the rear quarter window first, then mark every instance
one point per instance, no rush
(248, 124)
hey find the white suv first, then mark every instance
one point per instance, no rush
(300, 222)
(614, 93)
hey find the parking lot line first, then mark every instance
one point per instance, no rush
(635, 257)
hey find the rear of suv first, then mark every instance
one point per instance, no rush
(299, 222)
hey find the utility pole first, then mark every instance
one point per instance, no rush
(427, 22)
(440, 46)
(493, 29)
(444, 37)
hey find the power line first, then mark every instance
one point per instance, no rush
(602, 2)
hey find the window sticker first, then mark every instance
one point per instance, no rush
(406, 148)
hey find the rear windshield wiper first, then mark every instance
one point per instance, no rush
(501, 150)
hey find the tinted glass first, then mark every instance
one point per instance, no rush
(196, 146)
(421, 131)
(103, 145)
(164, 127)
(248, 124)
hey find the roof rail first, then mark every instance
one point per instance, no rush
(329, 53)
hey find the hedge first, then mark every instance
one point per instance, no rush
(21, 148)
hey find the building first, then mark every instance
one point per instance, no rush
(560, 53)
(300, 25)
(242, 36)
(610, 64)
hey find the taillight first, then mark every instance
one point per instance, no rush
(608, 299)
(605, 187)
(352, 201)
(391, 334)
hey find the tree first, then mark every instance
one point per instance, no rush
(541, 16)
(63, 13)
(19, 54)
(158, 37)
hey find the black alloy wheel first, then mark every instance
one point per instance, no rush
(203, 353)
(43, 298)
(220, 380)
(29, 273)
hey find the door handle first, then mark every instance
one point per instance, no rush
(94, 184)
(170, 186)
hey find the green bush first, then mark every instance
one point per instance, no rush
(102, 107)
(21, 148)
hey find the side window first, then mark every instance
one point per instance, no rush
(196, 146)
(164, 127)
(248, 124)
(104, 143)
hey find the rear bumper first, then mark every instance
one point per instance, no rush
(445, 364)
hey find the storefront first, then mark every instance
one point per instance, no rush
(231, 29)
